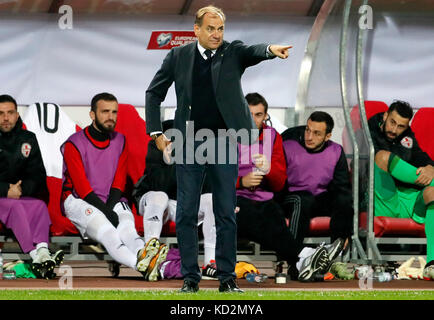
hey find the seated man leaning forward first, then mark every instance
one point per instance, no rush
(404, 184)
(22, 182)
(156, 198)
(262, 171)
(318, 180)
(94, 177)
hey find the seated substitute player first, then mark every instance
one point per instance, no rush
(262, 171)
(318, 181)
(22, 188)
(404, 184)
(155, 195)
(94, 178)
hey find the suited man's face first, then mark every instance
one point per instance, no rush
(210, 33)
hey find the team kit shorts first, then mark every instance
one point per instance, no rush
(397, 201)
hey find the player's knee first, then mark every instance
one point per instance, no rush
(304, 199)
(382, 159)
(428, 194)
(158, 198)
(122, 207)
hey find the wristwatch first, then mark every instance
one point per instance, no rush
(156, 135)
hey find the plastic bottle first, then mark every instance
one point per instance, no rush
(9, 275)
(1, 265)
(255, 277)
(382, 276)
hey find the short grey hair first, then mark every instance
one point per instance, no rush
(208, 9)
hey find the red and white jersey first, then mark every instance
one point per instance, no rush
(52, 128)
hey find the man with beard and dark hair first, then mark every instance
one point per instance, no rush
(404, 174)
(94, 177)
(22, 188)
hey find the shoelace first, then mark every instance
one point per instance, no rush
(323, 262)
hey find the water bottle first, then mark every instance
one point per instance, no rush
(256, 277)
(1, 265)
(9, 275)
(382, 276)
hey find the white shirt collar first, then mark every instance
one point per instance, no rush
(202, 51)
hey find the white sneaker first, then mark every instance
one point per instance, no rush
(428, 273)
(42, 255)
(315, 265)
(406, 271)
(43, 265)
(403, 270)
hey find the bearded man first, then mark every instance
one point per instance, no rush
(94, 177)
(23, 189)
(404, 174)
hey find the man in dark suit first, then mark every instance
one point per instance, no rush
(209, 96)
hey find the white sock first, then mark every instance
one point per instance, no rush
(209, 255)
(33, 254)
(42, 245)
(127, 230)
(154, 203)
(208, 227)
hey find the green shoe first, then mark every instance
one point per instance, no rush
(340, 271)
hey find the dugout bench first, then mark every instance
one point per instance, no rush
(65, 236)
(78, 249)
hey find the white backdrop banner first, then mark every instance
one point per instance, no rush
(41, 62)
(400, 61)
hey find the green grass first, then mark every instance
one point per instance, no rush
(213, 295)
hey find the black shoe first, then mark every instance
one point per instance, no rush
(58, 257)
(189, 287)
(44, 270)
(209, 272)
(293, 272)
(229, 286)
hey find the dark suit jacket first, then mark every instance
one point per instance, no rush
(228, 65)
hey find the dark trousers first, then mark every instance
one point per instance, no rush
(222, 178)
(301, 206)
(264, 222)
